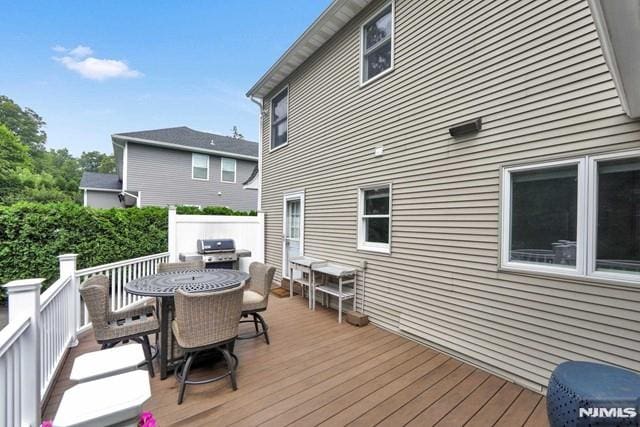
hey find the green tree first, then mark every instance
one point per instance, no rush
(14, 159)
(107, 164)
(236, 133)
(95, 161)
(24, 122)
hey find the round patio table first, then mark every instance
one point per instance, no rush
(165, 285)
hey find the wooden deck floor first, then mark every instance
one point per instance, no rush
(316, 372)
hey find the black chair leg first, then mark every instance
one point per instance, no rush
(183, 379)
(146, 347)
(255, 322)
(231, 365)
(264, 326)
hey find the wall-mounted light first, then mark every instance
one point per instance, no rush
(465, 128)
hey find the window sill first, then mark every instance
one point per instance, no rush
(373, 249)
(227, 182)
(376, 78)
(596, 279)
(199, 179)
(272, 150)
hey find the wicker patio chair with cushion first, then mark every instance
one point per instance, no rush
(166, 267)
(256, 298)
(203, 321)
(112, 327)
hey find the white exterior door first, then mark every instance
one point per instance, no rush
(293, 229)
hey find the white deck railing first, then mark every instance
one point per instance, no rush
(42, 327)
(119, 273)
(12, 349)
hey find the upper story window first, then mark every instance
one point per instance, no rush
(228, 170)
(279, 122)
(377, 45)
(374, 219)
(577, 217)
(199, 166)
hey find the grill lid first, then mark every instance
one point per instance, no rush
(208, 246)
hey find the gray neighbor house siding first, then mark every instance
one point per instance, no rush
(535, 73)
(163, 177)
(103, 199)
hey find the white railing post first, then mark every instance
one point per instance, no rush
(24, 299)
(171, 234)
(68, 269)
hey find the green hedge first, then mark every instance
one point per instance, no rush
(211, 210)
(32, 235)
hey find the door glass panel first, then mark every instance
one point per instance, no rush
(544, 216)
(618, 216)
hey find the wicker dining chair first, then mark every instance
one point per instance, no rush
(206, 320)
(256, 298)
(166, 267)
(113, 327)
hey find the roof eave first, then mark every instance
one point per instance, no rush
(332, 20)
(163, 144)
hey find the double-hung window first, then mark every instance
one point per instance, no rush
(279, 119)
(377, 45)
(228, 170)
(578, 217)
(199, 166)
(374, 218)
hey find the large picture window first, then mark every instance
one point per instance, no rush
(577, 217)
(279, 119)
(199, 166)
(374, 219)
(377, 44)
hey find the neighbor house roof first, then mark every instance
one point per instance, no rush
(336, 16)
(184, 138)
(254, 173)
(100, 181)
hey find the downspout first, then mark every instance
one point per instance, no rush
(258, 102)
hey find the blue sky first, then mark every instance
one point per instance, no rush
(93, 68)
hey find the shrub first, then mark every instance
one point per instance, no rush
(212, 210)
(32, 235)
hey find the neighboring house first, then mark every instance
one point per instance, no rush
(177, 166)
(515, 244)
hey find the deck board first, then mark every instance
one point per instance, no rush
(318, 372)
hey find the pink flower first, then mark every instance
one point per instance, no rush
(47, 423)
(147, 420)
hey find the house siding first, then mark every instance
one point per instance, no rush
(163, 176)
(103, 199)
(535, 73)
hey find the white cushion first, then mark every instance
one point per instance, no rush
(251, 297)
(104, 402)
(99, 364)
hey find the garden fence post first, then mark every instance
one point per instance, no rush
(171, 234)
(68, 269)
(24, 299)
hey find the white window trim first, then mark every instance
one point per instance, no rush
(271, 147)
(592, 163)
(235, 170)
(586, 237)
(364, 82)
(362, 245)
(193, 159)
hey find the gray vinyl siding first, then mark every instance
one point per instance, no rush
(163, 176)
(535, 73)
(103, 199)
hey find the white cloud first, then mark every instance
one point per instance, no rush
(81, 51)
(81, 61)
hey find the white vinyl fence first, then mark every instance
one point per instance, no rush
(246, 231)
